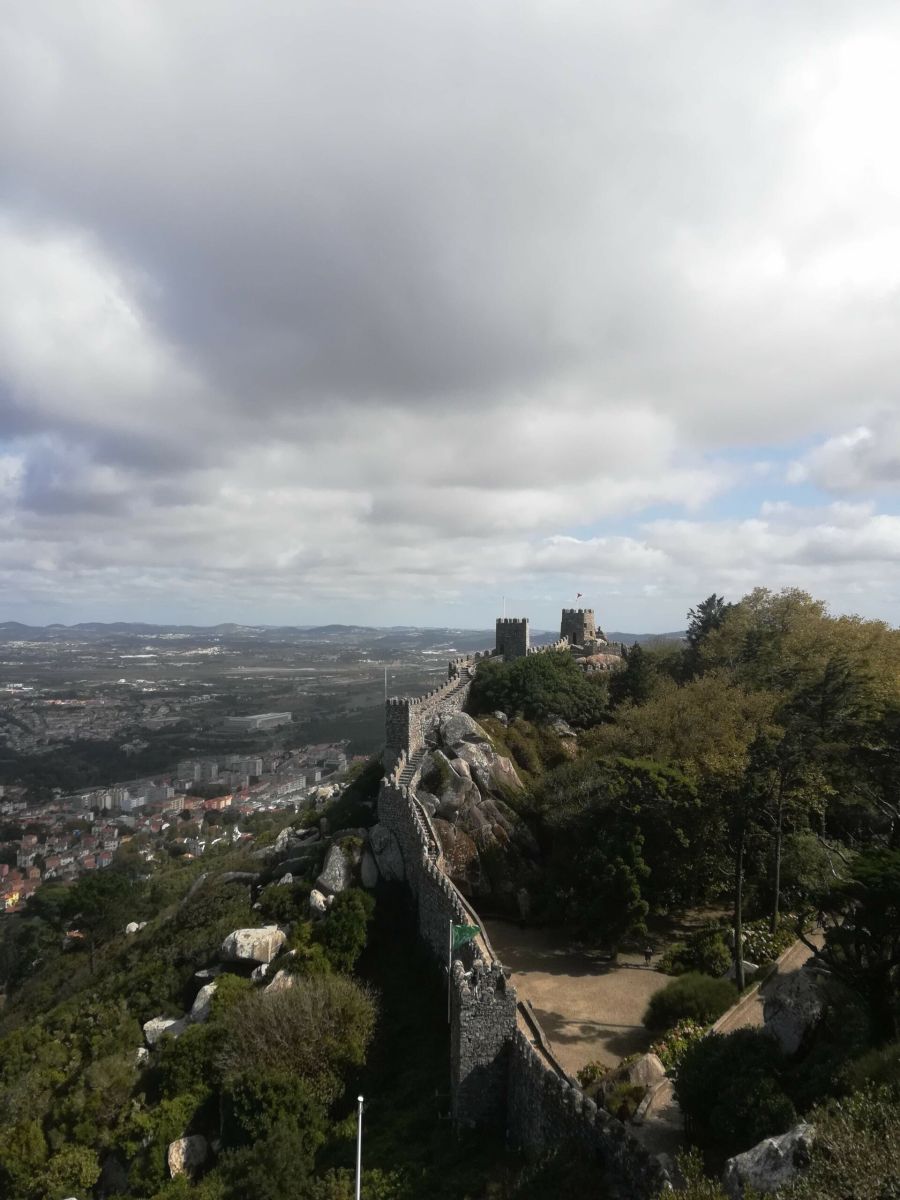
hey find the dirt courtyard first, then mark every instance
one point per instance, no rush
(589, 1009)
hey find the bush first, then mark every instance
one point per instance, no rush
(622, 1100)
(343, 932)
(693, 996)
(857, 1149)
(705, 950)
(592, 1073)
(761, 945)
(877, 1067)
(729, 1089)
(315, 1030)
(671, 1048)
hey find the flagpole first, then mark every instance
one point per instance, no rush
(359, 1147)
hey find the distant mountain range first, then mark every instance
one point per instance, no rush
(96, 630)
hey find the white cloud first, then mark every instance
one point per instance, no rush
(290, 317)
(865, 459)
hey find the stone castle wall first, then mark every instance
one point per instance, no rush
(545, 1109)
(560, 644)
(408, 719)
(498, 1076)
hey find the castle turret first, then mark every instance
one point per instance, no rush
(513, 638)
(578, 626)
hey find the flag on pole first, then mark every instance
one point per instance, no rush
(578, 595)
(463, 934)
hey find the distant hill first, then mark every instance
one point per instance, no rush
(646, 639)
(399, 634)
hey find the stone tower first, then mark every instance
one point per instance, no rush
(578, 626)
(513, 638)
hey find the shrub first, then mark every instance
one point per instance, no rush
(705, 951)
(316, 1030)
(729, 1089)
(760, 944)
(877, 1067)
(591, 1073)
(622, 1100)
(343, 932)
(857, 1149)
(693, 995)
(671, 1048)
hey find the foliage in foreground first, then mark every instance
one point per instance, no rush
(730, 1091)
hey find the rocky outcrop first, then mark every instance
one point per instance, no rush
(202, 1005)
(281, 981)
(319, 903)
(336, 874)
(770, 1164)
(187, 1154)
(463, 784)
(157, 1026)
(794, 1004)
(385, 848)
(253, 945)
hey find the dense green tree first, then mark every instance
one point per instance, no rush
(621, 836)
(539, 687)
(96, 904)
(73, 1170)
(23, 1152)
(706, 618)
(862, 938)
(343, 932)
(730, 1091)
(636, 681)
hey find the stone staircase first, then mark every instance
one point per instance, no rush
(412, 766)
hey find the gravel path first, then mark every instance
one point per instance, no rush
(589, 1009)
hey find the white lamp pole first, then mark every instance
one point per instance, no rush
(359, 1147)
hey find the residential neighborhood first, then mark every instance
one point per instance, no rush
(200, 803)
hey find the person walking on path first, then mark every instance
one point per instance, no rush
(648, 955)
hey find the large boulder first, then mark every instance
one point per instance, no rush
(793, 1004)
(202, 1005)
(458, 727)
(157, 1026)
(281, 981)
(461, 859)
(253, 945)
(187, 1154)
(387, 853)
(770, 1164)
(645, 1071)
(319, 903)
(335, 876)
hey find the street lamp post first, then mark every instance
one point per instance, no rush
(359, 1100)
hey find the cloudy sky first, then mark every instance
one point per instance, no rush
(382, 311)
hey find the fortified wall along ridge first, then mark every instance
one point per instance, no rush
(503, 1072)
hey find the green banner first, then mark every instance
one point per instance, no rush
(463, 934)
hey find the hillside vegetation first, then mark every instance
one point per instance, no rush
(266, 1083)
(756, 770)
